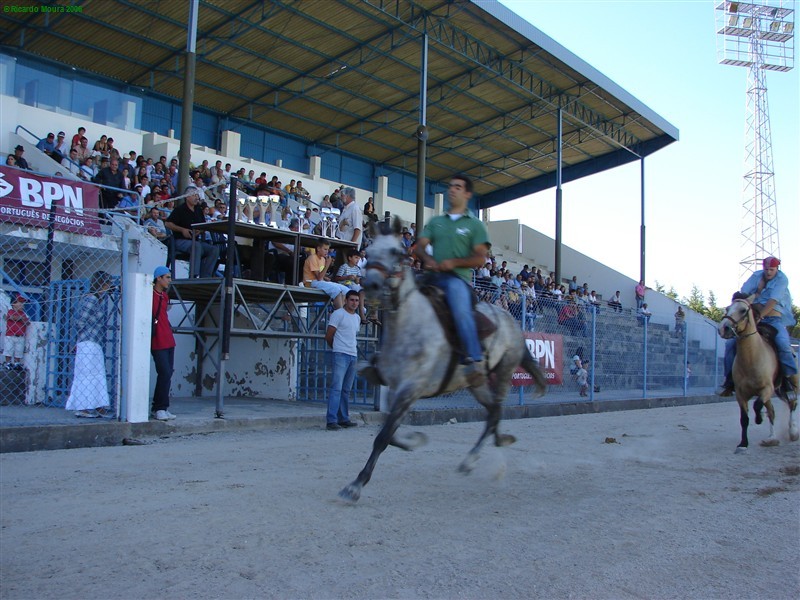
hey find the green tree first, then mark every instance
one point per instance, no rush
(659, 287)
(696, 301)
(714, 312)
(672, 293)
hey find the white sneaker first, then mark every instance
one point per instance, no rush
(162, 415)
(170, 416)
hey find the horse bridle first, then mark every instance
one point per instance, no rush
(397, 273)
(735, 324)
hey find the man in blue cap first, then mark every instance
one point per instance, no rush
(162, 344)
(770, 288)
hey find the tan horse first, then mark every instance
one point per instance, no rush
(755, 370)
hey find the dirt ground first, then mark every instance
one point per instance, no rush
(664, 511)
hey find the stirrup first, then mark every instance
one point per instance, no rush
(727, 389)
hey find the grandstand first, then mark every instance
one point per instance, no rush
(488, 116)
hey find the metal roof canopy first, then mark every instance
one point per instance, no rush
(346, 75)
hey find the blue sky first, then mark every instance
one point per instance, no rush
(665, 54)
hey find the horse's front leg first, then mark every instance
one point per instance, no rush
(744, 421)
(794, 432)
(401, 405)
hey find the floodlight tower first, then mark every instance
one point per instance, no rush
(758, 35)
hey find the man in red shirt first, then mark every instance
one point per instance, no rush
(162, 344)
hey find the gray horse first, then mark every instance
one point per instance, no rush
(416, 360)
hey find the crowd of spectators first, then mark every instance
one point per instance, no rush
(145, 188)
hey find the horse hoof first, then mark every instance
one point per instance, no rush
(351, 493)
(504, 439)
(771, 442)
(794, 435)
(740, 450)
(467, 464)
(415, 440)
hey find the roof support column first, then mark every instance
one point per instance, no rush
(422, 134)
(559, 133)
(642, 228)
(188, 97)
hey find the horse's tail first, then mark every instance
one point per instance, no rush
(532, 367)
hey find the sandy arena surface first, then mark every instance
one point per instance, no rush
(668, 511)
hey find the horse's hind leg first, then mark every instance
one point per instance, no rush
(771, 440)
(491, 398)
(794, 432)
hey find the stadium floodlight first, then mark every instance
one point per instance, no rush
(764, 41)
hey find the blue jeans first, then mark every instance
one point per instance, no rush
(785, 356)
(205, 256)
(459, 299)
(344, 375)
(164, 360)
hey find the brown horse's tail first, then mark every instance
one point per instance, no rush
(532, 367)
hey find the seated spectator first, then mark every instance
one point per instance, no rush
(290, 190)
(205, 173)
(62, 148)
(84, 151)
(483, 273)
(70, 163)
(154, 225)
(615, 302)
(680, 321)
(407, 241)
(76, 139)
(180, 223)
(326, 202)
(47, 144)
(163, 192)
(129, 205)
(112, 152)
(571, 317)
(100, 148)
(88, 171)
(315, 274)
(19, 159)
(643, 314)
(157, 175)
(301, 193)
(261, 180)
(166, 209)
(11, 161)
(525, 273)
(349, 275)
(593, 300)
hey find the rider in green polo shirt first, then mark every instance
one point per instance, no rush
(460, 243)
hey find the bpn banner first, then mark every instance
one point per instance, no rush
(546, 349)
(27, 199)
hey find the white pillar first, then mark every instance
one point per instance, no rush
(231, 144)
(139, 300)
(438, 204)
(315, 167)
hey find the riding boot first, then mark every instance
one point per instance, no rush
(727, 387)
(788, 385)
(476, 373)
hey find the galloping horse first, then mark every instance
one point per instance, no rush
(416, 358)
(754, 371)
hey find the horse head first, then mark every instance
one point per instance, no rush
(740, 318)
(384, 270)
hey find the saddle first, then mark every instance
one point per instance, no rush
(436, 297)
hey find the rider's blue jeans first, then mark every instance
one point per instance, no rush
(785, 355)
(459, 299)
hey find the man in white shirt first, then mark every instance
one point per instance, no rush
(343, 327)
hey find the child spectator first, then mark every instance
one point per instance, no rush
(16, 327)
(582, 377)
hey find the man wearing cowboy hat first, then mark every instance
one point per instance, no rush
(770, 286)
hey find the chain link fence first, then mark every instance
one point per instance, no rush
(60, 302)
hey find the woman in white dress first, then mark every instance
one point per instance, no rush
(88, 395)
